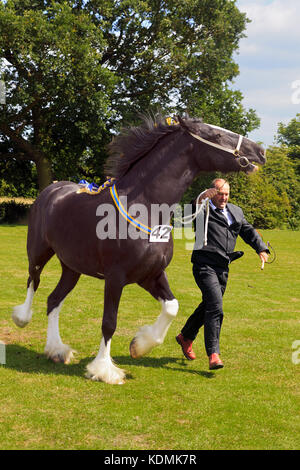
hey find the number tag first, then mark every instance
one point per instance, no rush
(160, 233)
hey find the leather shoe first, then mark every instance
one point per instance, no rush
(186, 346)
(215, 362)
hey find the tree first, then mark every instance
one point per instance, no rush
(289, 135)
(269, 198)
(74, 70)
(56, 104)
(174, 55)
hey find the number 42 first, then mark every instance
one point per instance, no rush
(160, 233)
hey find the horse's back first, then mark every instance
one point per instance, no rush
(53, 191)
(43, 206)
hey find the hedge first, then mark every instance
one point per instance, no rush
(14, 210)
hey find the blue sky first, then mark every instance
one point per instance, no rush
(269, 62)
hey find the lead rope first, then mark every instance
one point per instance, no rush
(206, 221)
(188, 219)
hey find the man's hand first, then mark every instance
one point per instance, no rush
(264, 258)
(208, 193)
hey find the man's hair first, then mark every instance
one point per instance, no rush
(213, 183)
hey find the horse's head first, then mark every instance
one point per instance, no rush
(226, 150)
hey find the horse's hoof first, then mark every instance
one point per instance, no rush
(105, 371)
(57, 359)
(133, 349)
(20, 316)
(97, 378)
(143, 342)
(64, 356)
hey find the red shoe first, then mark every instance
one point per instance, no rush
(186, 346)
(215, 362)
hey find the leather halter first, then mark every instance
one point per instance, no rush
(243, 161)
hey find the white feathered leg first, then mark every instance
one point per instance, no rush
(22, 314)
(102, 367)
(55, 349)
(150, 336)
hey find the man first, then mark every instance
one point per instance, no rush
(210, 269)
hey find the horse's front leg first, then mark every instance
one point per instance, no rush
(102, 367)
(150, 336)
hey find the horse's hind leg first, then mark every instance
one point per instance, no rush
(22, 314)
(102, 367)
(150, 336)
(55, 349)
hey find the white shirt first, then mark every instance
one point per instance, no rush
(225, 212)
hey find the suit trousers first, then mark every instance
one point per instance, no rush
(212, 282)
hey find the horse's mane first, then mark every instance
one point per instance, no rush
(134, 143)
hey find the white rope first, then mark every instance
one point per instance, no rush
(206, 221)
(188, 219)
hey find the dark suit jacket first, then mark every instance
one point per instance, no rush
(221, 238)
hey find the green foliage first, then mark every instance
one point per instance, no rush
(289, 135)
(17, 178)
(12, 211)
(57, 102)
(75, 70)
(269, 198)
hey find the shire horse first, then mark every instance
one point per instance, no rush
(152, 164)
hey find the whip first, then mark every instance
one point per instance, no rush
(272, 253)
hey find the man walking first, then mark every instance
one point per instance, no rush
(210, 269)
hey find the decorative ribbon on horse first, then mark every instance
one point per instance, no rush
(124, 213)
(159, 233)
(93, 188)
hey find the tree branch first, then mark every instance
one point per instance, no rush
(20, 142)
(17, 155)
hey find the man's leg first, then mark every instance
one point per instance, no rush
(194, 322)
(210, 312)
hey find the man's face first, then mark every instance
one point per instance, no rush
(220, 200)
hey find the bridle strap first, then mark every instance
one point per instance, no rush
(235, 152)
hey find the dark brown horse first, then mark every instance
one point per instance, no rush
(152, 164)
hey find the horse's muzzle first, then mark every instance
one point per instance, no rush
(251, 168)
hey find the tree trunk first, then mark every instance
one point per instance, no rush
(44, 172)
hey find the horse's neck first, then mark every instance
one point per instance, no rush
(170, 173)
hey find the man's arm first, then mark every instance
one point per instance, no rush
(252, 238)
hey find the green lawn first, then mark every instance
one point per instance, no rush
(167, 402)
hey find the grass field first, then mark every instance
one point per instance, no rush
(167, 402)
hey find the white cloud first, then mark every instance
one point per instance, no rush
(271, 19)
(269, 61)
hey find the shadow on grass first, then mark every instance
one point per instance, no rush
(26, 360)
(164, 363)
